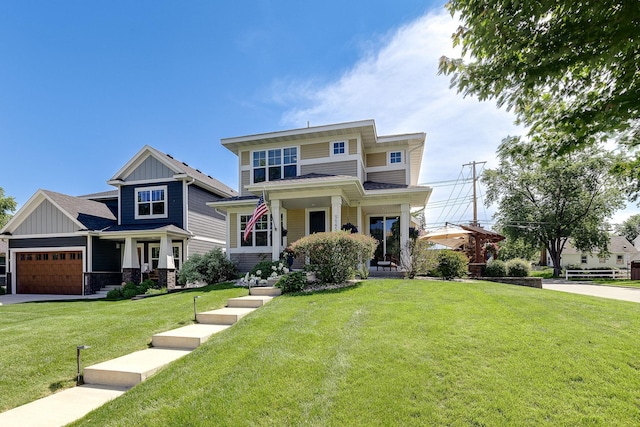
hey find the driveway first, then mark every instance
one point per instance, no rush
(583, 288)
(17, 299)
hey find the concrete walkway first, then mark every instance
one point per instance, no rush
(22, 298)
(107, 380)
(583, 288)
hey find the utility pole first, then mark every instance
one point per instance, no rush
(475, 196)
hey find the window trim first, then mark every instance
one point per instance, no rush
(151, 215)
(391, 162)
(282, 164)
(157, 245)
(345, 148)
(269, 231)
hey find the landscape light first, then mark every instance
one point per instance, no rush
(80, 379)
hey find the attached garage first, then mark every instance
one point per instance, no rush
(51, 272)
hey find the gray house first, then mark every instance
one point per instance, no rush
(154, 220)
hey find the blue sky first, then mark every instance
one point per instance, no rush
(84, 85)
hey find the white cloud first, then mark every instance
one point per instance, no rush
(399, 87)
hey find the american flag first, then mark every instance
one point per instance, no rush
(261, 209)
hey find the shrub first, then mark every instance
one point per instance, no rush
(2, 290)
(268, 268)
(150, 284)
(130, 293)
(292, 282)
(452, 264)
(335, 256)
(518, 267)
(496, 268)
(114, 294)
(212, 267)
(420, 259)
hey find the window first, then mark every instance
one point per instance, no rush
(261, 233)
(602, 260)
(339, 148)
(155, 255)
(151, 202)
(395, 157)
(583, 259)
(619, 260)
(271, 165)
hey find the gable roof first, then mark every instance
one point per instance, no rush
(181, 170)
(86, 214)
(617, 245)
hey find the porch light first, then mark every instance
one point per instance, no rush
(195, 312)
(80, 379)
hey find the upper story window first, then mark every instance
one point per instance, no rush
(395, 157)
(270, 165)
(151, 202)
(339, 148)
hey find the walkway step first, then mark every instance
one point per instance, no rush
(187, 337)
(271, 291)
(223, 316)
(129, 370)
(250, 301)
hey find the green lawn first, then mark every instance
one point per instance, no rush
(619, 282)
(387, 352)
(38, 340)
(395, 352)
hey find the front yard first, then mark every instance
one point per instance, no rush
(386, 352)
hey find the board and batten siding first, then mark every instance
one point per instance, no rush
(376, 159)
(150, 168)
(174, 204)
(246, 261)
(389, 177)
(349, 167)
(46, 219)
(314, 151)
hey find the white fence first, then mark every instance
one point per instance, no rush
(597, 274)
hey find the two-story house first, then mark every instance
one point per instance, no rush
(154, 220)
(318, 179)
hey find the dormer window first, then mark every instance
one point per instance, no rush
(395, 157)
(339, 148)
(271, 165)
(151, 202)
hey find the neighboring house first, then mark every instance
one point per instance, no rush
(621, 253)
(3, 262)
(152, 222)
(318, 179)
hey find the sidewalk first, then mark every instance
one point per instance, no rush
(585, 288)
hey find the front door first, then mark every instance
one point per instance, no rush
(317, 222)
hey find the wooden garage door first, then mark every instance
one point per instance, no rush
(49, 273)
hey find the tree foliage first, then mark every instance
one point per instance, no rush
(7, 206)
(545, 202)
(567, 68)
(630, 228)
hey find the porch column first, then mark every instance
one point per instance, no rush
(130, 262)
(359, 223)
(276, 231)
(336, 213)
(166, 265)
(405, 222)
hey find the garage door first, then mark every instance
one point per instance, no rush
(49, 273)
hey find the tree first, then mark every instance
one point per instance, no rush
(7, 206)
(545, 202)
(567, 68)
(630, 228)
